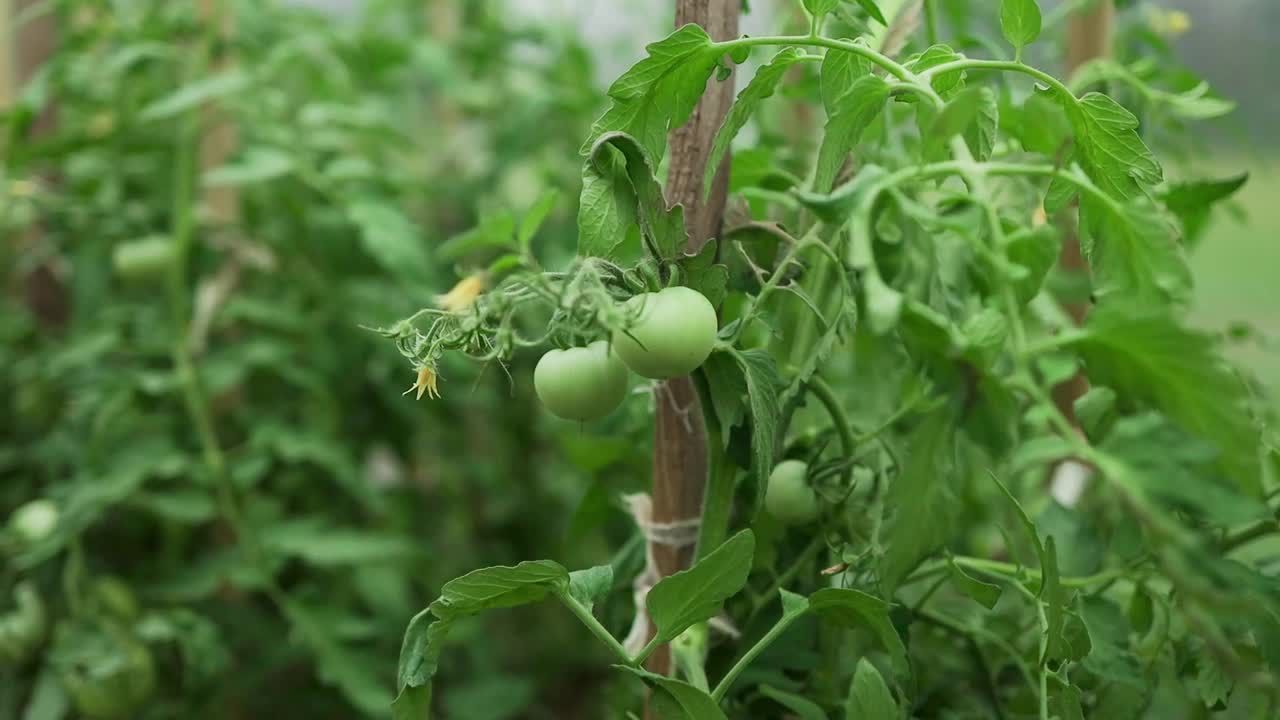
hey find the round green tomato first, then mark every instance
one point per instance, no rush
(35, 520)
(583, 383)
(142, 259)
(673, 333)
(114, 685)
(788, 497)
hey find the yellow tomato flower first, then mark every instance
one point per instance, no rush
(1168, 22)
(426, 383)
(463, 294)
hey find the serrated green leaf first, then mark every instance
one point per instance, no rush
(1191, 201)
(662, 228)
(499, 587)
(606, 210)
(691, 596)
(659, 93)
(1109, 148)
(1144, 355)
(761, 374)
(956, 117)
(853, 112)
(840, 70)
(728, 386)
(1036, 250)
(1020, 22)
(704, 274)
(762, 86)
(1051, 595)
(920, 506)
(259, 164)
(855, 609)
(981, 133)
(869, 696)
(1134, 252)
(1110, 656)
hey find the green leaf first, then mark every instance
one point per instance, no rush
(802, 708)
(855, 609)
(390, 238)
(675, 699)
(728, 386)
(1020, 22)
(874, 11)
(1051, 595)
(1036, 250)
(762, 85)
(662, 228)
(761, 374)
(327, 546)
(659, 92)
(983, 593)
(981, 134)
(819, 8)
(1135, 252)
(534, 218)
(1144, 355)
(606, 210)
(1191, 201)
(591, 585)
(193, 95)
(869, 696)
(499, 587)
(1110, 657)
(494, 232)
(704, 274)
(420, 650)
(691, 596)
(956, 117)
(1176, 469)
(1109, 148)
(259, 164)
(946, 84)
(853, 112)
(840, 70)
(1032, 534)
(920, 504)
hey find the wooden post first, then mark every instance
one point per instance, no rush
(680, 437)
(1088, 37)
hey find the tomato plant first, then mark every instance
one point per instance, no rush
(919, 351)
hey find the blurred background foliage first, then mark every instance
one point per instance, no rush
(338, 146)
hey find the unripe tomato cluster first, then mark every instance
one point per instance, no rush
(673, 333)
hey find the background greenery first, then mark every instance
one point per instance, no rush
(363, 143)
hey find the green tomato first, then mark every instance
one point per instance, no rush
(111, 678)
(583, 383)
(34, 521)
(22, 629)
(675, 329)
(788, 497)
(142, 259)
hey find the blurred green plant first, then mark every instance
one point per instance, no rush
(189, 397)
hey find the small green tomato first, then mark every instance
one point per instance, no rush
(674, 332)
(34, 521)
(788, 497)
(143, 259)
(583, 383)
